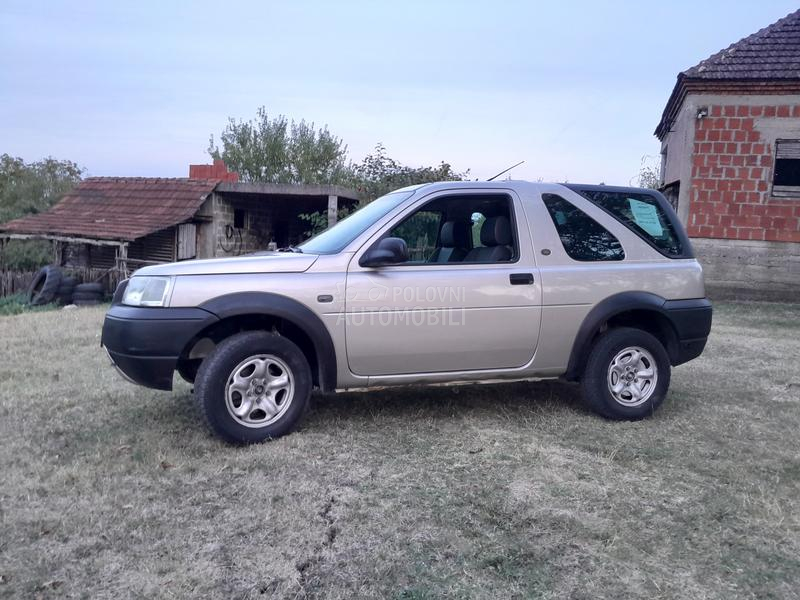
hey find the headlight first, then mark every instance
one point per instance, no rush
(147, 291)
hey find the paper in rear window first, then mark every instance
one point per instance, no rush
(646, 217)
(641, 213)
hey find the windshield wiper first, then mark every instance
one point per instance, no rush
(290, 249)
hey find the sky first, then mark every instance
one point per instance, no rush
(575, 89)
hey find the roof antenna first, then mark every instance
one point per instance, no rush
(505, 171)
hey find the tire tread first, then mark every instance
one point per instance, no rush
(594, 386)
(236, 348)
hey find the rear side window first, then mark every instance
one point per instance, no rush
(642, 214)
(583, 238)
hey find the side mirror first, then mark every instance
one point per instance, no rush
(388, 251)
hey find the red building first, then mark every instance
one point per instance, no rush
(730, 144)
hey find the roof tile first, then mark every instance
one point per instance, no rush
(770, 53)
(118, 208)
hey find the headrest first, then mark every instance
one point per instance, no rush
(455, 234)
(496, 231)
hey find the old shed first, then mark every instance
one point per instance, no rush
(108, 226)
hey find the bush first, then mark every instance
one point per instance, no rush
(16, 304)
(26, 255)
(28, 189)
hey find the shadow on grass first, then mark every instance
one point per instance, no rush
(486, 401)
(138, 429)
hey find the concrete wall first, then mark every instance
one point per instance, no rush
(676, 149)
(267, 218)
(256, 233)
(206, 229)
(750, 270)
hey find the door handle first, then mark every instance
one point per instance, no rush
(521, 278)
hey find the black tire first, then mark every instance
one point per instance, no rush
(81, 302)
(219, 366)
(65, 291)
(67, 282)
(595, 385)
(64, 299)
(87, 295)
(44, 286)
(89, 288)
(84, 300)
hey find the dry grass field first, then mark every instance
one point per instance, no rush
(508, 491)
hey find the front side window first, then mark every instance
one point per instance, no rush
(583, 238)
(474, 228)
(420, 232)
(642, 214)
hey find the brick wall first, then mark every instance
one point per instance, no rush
(216, 171)
(731, 175)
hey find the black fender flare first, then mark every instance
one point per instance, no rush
(282, 307)
(605, 310)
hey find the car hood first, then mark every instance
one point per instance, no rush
(262, 262)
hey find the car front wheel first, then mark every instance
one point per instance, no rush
(254, 386)
(627, 374)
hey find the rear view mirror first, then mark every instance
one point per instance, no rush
(388, 251)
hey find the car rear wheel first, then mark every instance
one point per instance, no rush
(627, 374)
(254, 386)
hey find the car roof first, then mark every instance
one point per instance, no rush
(622, 189)
(515, 183)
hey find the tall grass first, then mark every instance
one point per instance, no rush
(17, 304)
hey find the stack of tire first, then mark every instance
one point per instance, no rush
(88, 294)
(65, 290)
(51, 285)
(45, 286)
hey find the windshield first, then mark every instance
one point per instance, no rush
(335, 239)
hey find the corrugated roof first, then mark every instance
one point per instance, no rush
(118, 208)
(770, 54)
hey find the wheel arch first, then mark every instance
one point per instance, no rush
(641, 310)
(250, 311)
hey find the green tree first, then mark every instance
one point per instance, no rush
(33, 187)
(276, 150)
(379, 174)
(30, 188)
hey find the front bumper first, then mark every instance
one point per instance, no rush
(145, 343)
(692, 322)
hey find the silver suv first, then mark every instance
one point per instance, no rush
(446, 282)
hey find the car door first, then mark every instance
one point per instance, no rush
(426, 317)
